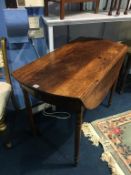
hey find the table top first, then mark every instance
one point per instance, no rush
(85, 18)
(74, 70)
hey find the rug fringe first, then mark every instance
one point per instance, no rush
(90, 132)
(107, 157)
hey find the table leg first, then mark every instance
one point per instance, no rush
(29, 112)
(51, 38)
(124, 76)
(111, 93)
(77, 136)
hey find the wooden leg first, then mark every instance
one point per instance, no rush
(77, 137)
(62, 10)
(130, 7)
(81, 6)
(127, 5)
(111, 8)
(118, 9)
(97, 6)
(46, 7)
(29, 111)
(111, 93)
(106, 5)
(127, 68)
(115, 4)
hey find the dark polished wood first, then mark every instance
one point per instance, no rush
(125, 68)
(111, 7)
(78, 74)
(127, 7)
(63, 2)
(115, 5)
(111, 93)
(119, 6)
(79, 118)
(30, 113)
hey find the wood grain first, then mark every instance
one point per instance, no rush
(78, 74)
(80, 70)
(63, 2)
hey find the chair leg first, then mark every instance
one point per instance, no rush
(127, 5)
(115, 4)
(29, 111)
(81, 6)
(5, 130)
(118, 9)
(97, 6)
(106, 5)
(8, 139)
(62, 10)
(111, 8)
(77, 137)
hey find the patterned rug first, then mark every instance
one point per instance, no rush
(114, 134)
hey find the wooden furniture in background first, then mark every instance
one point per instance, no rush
(63, 2)
(116, 5)
(126, 67)
(127, 7)
(78, 19)
(113, 4)
(79, 74)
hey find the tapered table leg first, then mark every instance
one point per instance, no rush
(29, 112)
(124, 77)
(111, 93)
(77, 136)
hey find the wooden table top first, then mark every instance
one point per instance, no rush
(74, 70)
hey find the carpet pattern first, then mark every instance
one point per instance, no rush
(114, 134)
